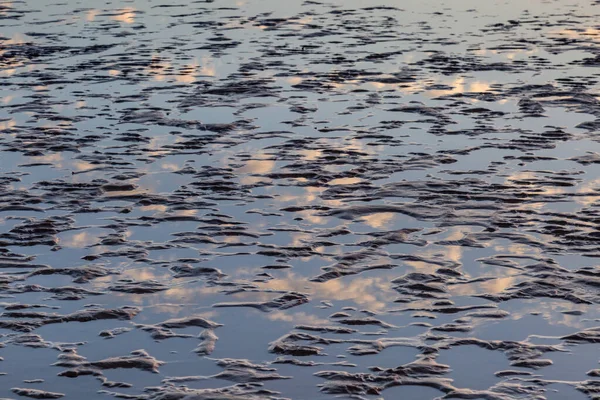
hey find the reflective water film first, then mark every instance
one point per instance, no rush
(260, 199)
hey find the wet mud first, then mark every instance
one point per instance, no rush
(310, 200)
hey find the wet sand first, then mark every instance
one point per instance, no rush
(245, 200)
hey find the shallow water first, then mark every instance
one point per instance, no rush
(306, 200)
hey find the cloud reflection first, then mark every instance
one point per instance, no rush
(126, 16)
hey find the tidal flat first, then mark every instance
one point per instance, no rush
(260, 199)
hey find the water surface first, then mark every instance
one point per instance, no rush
(305, 200)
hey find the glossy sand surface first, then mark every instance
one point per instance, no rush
(267, 199)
